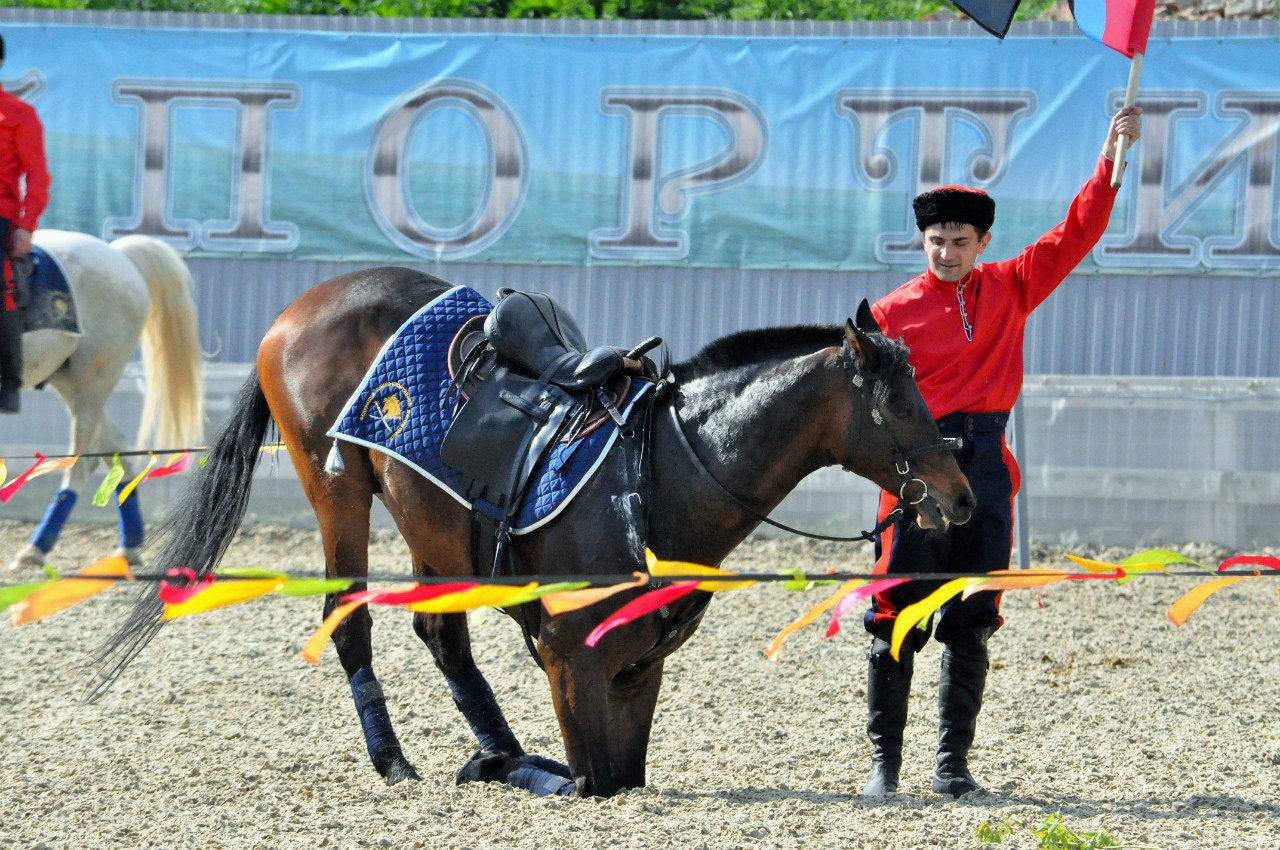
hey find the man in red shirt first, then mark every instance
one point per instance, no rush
(21, 156)
(964, 324)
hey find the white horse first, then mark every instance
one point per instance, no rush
(135, 289)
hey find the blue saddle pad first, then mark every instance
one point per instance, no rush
(403, 408)
(52, 306)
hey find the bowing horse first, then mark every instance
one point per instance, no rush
(92, 305)
(705, 453)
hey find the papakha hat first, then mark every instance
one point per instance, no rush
(962, 204)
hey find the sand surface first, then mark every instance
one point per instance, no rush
(221, 736)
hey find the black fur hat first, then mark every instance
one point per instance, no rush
(961, 204)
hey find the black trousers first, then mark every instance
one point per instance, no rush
(10, 324)
(983, 544)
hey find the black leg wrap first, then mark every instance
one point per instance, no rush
(379, 736)
(960, 687)
(888, 686)
(474, 698)
(540, 776)
(531, 777)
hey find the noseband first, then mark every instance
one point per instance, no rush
(861, 392)
(901, 460)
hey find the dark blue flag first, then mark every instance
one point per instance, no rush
(994, 16)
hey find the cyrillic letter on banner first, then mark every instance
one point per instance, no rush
(250, 227)
(652, 200)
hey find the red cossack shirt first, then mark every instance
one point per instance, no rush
(984, 374)
(21, 152)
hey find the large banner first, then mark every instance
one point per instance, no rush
(665, 150)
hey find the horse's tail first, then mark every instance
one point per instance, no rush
(198, 528)
(173, 407)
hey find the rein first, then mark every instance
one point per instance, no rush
(900, 459)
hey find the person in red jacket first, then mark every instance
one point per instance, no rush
(964, 324)
(21, 161)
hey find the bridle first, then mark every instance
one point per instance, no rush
(862, 390)
(901, 459)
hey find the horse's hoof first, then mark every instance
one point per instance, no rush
(394, 767)
(487, 766)
(29, 558)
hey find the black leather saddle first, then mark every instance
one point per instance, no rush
(524, 382)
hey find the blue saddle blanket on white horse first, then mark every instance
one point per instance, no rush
(404, 408)
(49, 302)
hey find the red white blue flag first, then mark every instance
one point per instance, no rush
(1122, 25)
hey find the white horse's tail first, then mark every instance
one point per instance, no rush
(173, 407)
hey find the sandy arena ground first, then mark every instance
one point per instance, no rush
(221, 736)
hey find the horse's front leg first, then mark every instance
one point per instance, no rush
(633, 698)
(500, 758)
(605, 718)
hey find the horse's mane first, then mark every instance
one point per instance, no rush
(765, 345)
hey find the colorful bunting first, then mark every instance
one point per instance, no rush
(774, 648)
(919, 612)
(638, 607)
(311, 652)
(17, 592)
(662, 568)
(174, 594)
(108, 486)
(857, 595)
(1013, 580)
(137, 479)
(467, 596)
(54, 596)
(183, 592)
(1253, 560)
(1186, 606)
(559, 603)
(220, 595)
(14, 486)
(178, 462)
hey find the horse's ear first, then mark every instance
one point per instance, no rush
(863, 351)
(866, 321)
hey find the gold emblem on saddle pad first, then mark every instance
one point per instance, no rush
(389, 404)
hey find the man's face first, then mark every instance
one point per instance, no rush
(953, 249)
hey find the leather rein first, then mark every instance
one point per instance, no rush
(863, 389)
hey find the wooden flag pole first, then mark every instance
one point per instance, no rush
(1130, 98)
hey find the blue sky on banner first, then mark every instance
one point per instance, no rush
(729, 152)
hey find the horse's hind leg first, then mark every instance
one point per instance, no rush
(343, 512)
(500, 757)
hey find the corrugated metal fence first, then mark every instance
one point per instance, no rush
(1124, 461)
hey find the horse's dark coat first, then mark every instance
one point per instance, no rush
(763, 409)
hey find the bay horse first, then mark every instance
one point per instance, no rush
(760, 411)
(135, 291)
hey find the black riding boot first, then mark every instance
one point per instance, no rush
(888, 685)
(10, 361)
(960, 687)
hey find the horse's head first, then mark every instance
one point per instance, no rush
(893, 439)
